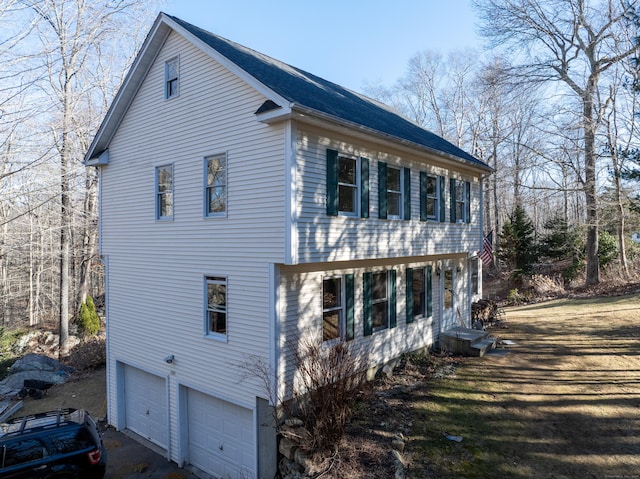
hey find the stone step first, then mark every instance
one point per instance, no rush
(483, 346)
(466, 341)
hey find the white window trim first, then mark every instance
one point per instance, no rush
(358, 180)
(157, 193)
(166, 78)
(205, 210)
(400, 214)
(375, 329)
(437, 197)
(216, 279)
(343, 311)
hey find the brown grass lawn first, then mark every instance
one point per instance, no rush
(563, 402)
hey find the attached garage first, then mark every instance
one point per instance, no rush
(221, 437)
(145, 398)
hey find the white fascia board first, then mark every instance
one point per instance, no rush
(129, 88)
(229, 65)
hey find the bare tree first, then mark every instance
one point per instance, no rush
(573, 42)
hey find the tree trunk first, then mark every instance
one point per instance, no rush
(590, 186)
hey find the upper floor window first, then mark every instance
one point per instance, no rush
(216, 314)
(394, 192)
(433, 197)
(216, 185)
(460, 201)
(164, 192)
(347, 185)
(171, 78)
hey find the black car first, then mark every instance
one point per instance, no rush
(62, 444)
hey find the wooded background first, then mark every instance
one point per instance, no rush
(550, 104)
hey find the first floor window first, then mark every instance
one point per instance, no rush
(216, 185)
(164, 192)
(216, 305)
(380, 301)
(475, 269)
(448, 289)
(333, 311)
(419, 292)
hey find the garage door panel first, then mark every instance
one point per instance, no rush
(145, 405)
(220, 436)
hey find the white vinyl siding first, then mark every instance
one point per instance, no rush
(321, 237)
(301, 310)
(156, 269)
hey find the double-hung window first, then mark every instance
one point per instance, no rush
(348, 189)
(419, 293)
(216, 185)
(432, 197)
(394, 193)
(338, 307)
(164, 192)
(347, 185)
(171, 78)
(333, 308)
(379, 301)
(216, 311)
(460, 201)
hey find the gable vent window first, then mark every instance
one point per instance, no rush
(171, 78)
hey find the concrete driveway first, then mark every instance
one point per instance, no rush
(128, 459)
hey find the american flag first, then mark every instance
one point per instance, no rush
(486, 255)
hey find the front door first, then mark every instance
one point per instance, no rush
(447, 297)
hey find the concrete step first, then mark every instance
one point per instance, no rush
(466, 341)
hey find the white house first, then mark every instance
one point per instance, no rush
(245, 203)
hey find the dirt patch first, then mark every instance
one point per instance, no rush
(86, 390)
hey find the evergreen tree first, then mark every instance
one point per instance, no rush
(562, 241)
(518, 249)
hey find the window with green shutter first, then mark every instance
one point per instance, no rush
(347, 185)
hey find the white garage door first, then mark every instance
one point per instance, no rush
(146, 405)
(221, 438)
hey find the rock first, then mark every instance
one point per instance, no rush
(293, 422)
(398, 445)
(399, 463)
(288, 448)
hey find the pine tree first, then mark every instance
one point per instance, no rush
(518, 249)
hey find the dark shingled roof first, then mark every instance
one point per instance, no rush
(313, 92)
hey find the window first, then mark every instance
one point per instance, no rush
(418, 292)
(380, 301)
(171, 76)
(460, 201)
(333, 311)
(348, 191)
(23, 451)
(216, 185)
(164, 192)
(432, 198)
(347, 185)
(394, 193)
(216, 305)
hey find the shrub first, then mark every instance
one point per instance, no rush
(88, 322)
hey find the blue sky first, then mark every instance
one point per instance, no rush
(349, 42)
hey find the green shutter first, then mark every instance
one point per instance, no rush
(452, 206)
(364, 187)
(467, 194)
(443, 208)
(409, 306)
(393, 320)
(429, 293)
(332, 182)
(423, 196)
(407, 193)
(382, 190)
(349, 299)
(367, 303)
